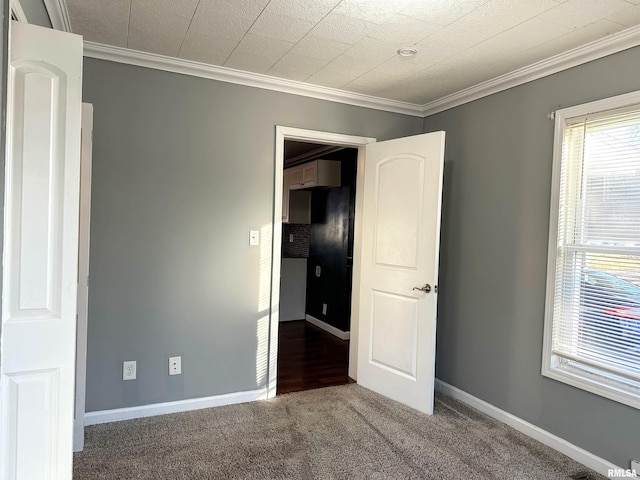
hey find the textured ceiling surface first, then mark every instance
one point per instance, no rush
(352, 44)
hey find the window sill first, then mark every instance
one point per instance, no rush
(580, 378)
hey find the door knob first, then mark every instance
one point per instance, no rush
(426, 288)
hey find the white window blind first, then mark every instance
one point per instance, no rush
(596, 288)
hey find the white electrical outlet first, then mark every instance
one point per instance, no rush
(324, 308)
(635, 465)
(318, 270)
(175, 365)
(291, 238)
(129, 370)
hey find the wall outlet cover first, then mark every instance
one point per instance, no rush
(324, 308)
(291, 238)
(129, 370)
(175, 365)
(318, 270)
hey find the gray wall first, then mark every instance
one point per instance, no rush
(183, 168)
(36, 12)
(494, 252)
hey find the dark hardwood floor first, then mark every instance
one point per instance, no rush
(309, 357)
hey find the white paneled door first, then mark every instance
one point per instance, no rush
(40, 254)
(399, 273)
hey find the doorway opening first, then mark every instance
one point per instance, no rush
(302, 171)
(318, 219)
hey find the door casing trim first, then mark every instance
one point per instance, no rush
(302, 135)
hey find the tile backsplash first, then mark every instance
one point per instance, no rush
(299, 248)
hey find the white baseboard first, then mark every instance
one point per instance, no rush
(325, 326)
(578, 454)
(115, 415)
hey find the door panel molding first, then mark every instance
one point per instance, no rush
(395, 240)
(35, 203)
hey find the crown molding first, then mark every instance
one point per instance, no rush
(58, 14)
(230, 75)
(609, 45)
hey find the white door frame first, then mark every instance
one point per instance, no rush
(83, 275)
(312, 136)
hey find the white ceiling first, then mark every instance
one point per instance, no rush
(352, 44)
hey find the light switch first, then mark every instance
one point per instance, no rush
(254, 237)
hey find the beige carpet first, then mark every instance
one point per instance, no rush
(344, 432)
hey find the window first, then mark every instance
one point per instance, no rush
(592, 318)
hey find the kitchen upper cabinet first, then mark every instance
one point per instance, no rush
(319, 173)
(310, 174)
(296, 206)
(295, 175)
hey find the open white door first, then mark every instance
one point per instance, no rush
(40, 254)
(400, 247)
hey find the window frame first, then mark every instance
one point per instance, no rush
(573, 375)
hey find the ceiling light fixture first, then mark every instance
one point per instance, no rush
(407, 51)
